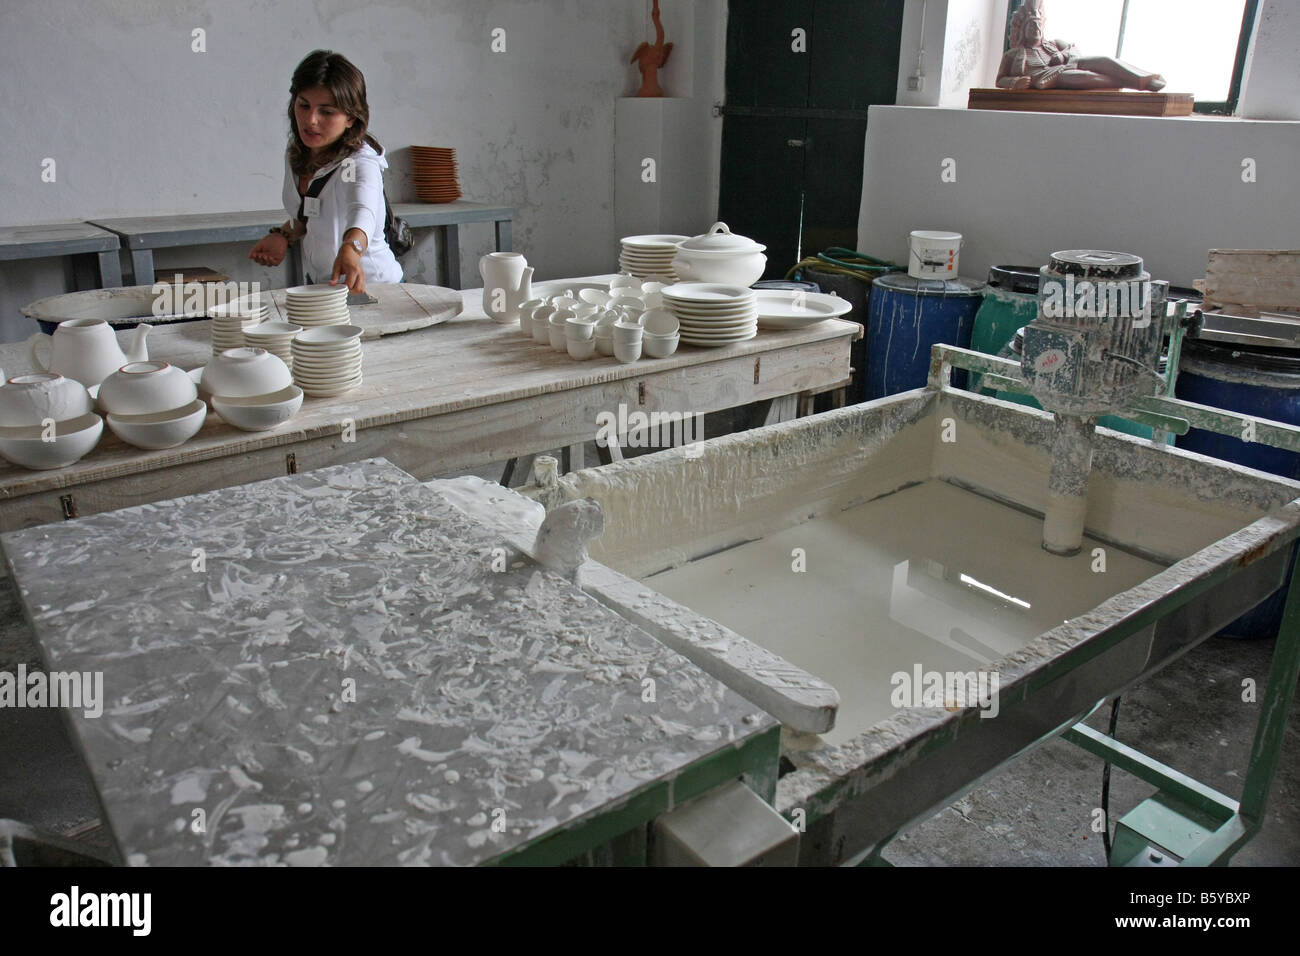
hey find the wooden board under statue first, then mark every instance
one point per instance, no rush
(1051, 76)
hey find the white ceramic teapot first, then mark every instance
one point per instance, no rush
(87, 350)
(507, 284)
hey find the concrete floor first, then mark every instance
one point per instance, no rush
(1038, 811)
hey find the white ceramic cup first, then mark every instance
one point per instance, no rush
(627, 353)
(542, 323)
(526, 314)
(556, 331)
(624, 281)
(627, 333)
(580, 328)
(581, 349)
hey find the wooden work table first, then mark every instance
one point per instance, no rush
(451, 397)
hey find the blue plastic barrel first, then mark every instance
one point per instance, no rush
(905, 317)
(1262, 383)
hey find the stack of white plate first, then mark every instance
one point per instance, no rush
(320, 304)
(327, 361)
(230, 320)
(711, 314)
(275, 337)
(649, 255)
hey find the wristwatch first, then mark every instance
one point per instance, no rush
(355, 244)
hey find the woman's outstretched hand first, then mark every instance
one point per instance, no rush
(347, 267)
(270, 250)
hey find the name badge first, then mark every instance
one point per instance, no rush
(311, 206)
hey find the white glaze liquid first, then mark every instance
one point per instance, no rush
(902, 581)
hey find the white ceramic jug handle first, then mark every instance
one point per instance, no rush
(718, 227)
(34, 341)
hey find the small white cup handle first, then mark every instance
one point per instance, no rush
(34, 341)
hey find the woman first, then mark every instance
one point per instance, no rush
(343, 232)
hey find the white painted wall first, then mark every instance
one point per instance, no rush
(141, 125)
(1168, 189)
(1271, 84)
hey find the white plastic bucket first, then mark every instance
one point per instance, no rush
(933, 255)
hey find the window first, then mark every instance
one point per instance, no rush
(1199, 46)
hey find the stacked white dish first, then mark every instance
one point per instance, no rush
(712, 314)
(644, 256)
(46, 421)
(275, 337)
(250, 388)
(316, 305)
(327, 361)
(152, 405)
(230, 320)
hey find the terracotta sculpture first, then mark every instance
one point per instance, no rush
(650, 59)
(1031, 62)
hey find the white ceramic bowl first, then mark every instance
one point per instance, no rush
(161, 429)
(659, 346)
(594, 296)
(743, 269)
(144, 388)
(260, 413)
(238, 373)
(30, 399)
(627, 353)
(73, 439)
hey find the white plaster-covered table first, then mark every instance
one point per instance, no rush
(348, 676)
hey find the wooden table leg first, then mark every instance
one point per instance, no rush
(83, 272)
(516, 471)
(142, 266)
(805, 404)
(451, 256)
(573, 458)
(110, 270)
(504, 237)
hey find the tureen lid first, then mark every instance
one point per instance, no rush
(720, 238)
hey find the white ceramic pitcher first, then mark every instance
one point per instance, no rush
(87, 350)
(507, 284)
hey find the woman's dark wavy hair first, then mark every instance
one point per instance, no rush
(347, 86)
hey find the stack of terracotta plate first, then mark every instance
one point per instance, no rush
(319, 304)
(434, 171)
(644, 256)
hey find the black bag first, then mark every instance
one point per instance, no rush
(397, 231)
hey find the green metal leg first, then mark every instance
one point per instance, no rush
(1184, 803)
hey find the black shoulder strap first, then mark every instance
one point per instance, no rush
(314, 190)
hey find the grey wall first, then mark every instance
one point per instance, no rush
(139, 124)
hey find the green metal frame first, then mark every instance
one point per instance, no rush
(618, 837)
(1205, 827)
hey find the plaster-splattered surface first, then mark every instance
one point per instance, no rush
(480, 695)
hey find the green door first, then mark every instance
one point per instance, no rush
(800, 76)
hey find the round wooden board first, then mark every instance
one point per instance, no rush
(401, 307)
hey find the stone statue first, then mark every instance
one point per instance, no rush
(1032, 62)
(650, 59)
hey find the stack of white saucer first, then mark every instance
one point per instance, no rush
(230, 320)
(327, 361)
(275, 337)
(320, 304)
